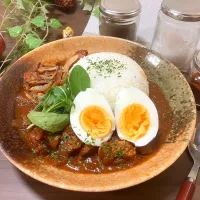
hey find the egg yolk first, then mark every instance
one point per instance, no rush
(134, 121)
(96, 121)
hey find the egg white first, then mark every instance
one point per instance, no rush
(90, 97)
(109, 84)
(128, 96)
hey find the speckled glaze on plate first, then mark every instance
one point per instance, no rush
(159, 70)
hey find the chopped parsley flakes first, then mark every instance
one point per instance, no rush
(107, 67)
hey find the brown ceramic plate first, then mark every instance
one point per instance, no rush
(159, 70)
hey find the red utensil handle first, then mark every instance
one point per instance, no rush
(186, 191)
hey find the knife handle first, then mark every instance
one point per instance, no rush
(186, 191)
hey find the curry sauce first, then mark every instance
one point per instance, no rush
(90, 160)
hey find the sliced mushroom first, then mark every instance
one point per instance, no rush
(58, 76)
(70, 62)
(37, 82)
(48, 75)
(82, 53)
(45, 68)
(64, 78)
(41, 88)
(30, 97)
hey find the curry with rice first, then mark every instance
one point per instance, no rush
(43, 119)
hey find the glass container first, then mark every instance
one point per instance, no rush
(194, 77)
(119, 19)
(178, 31)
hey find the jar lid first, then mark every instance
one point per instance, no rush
(184, 10)
(120, 10)
(196, 60)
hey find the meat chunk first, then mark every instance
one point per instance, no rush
(21, 123)
(69, 142)
(34, 139)
(53, 141)
(116, 152)
(87, 150)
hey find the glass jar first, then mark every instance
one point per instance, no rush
(119, 21)
(178, 32)
(194, 77)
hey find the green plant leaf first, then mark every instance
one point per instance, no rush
(44, 9)
(32, 41)
(14, 31)
(81, 2)
(79, 80)
(38, 21)
(51, 122)
(19, 5)
(57, 100)
(7, 3)
(28, 5)
(6, 68)
(35, 33)
(54, 23)
(87, 7)
(96, 12)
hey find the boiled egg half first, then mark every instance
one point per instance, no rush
(136, 117)
(92, 119)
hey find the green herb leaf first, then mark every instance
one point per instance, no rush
(51, 122)
(32, 41)
(55, 24)
(57, 100)
(14, 31)
(38, 21)
(79, 80)
(19, 5)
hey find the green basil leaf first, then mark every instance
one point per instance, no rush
(55, 24)
(32, 41)
(79, 80)
(60, 91)
(15, 31)
(38, 21)
(51, 122)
